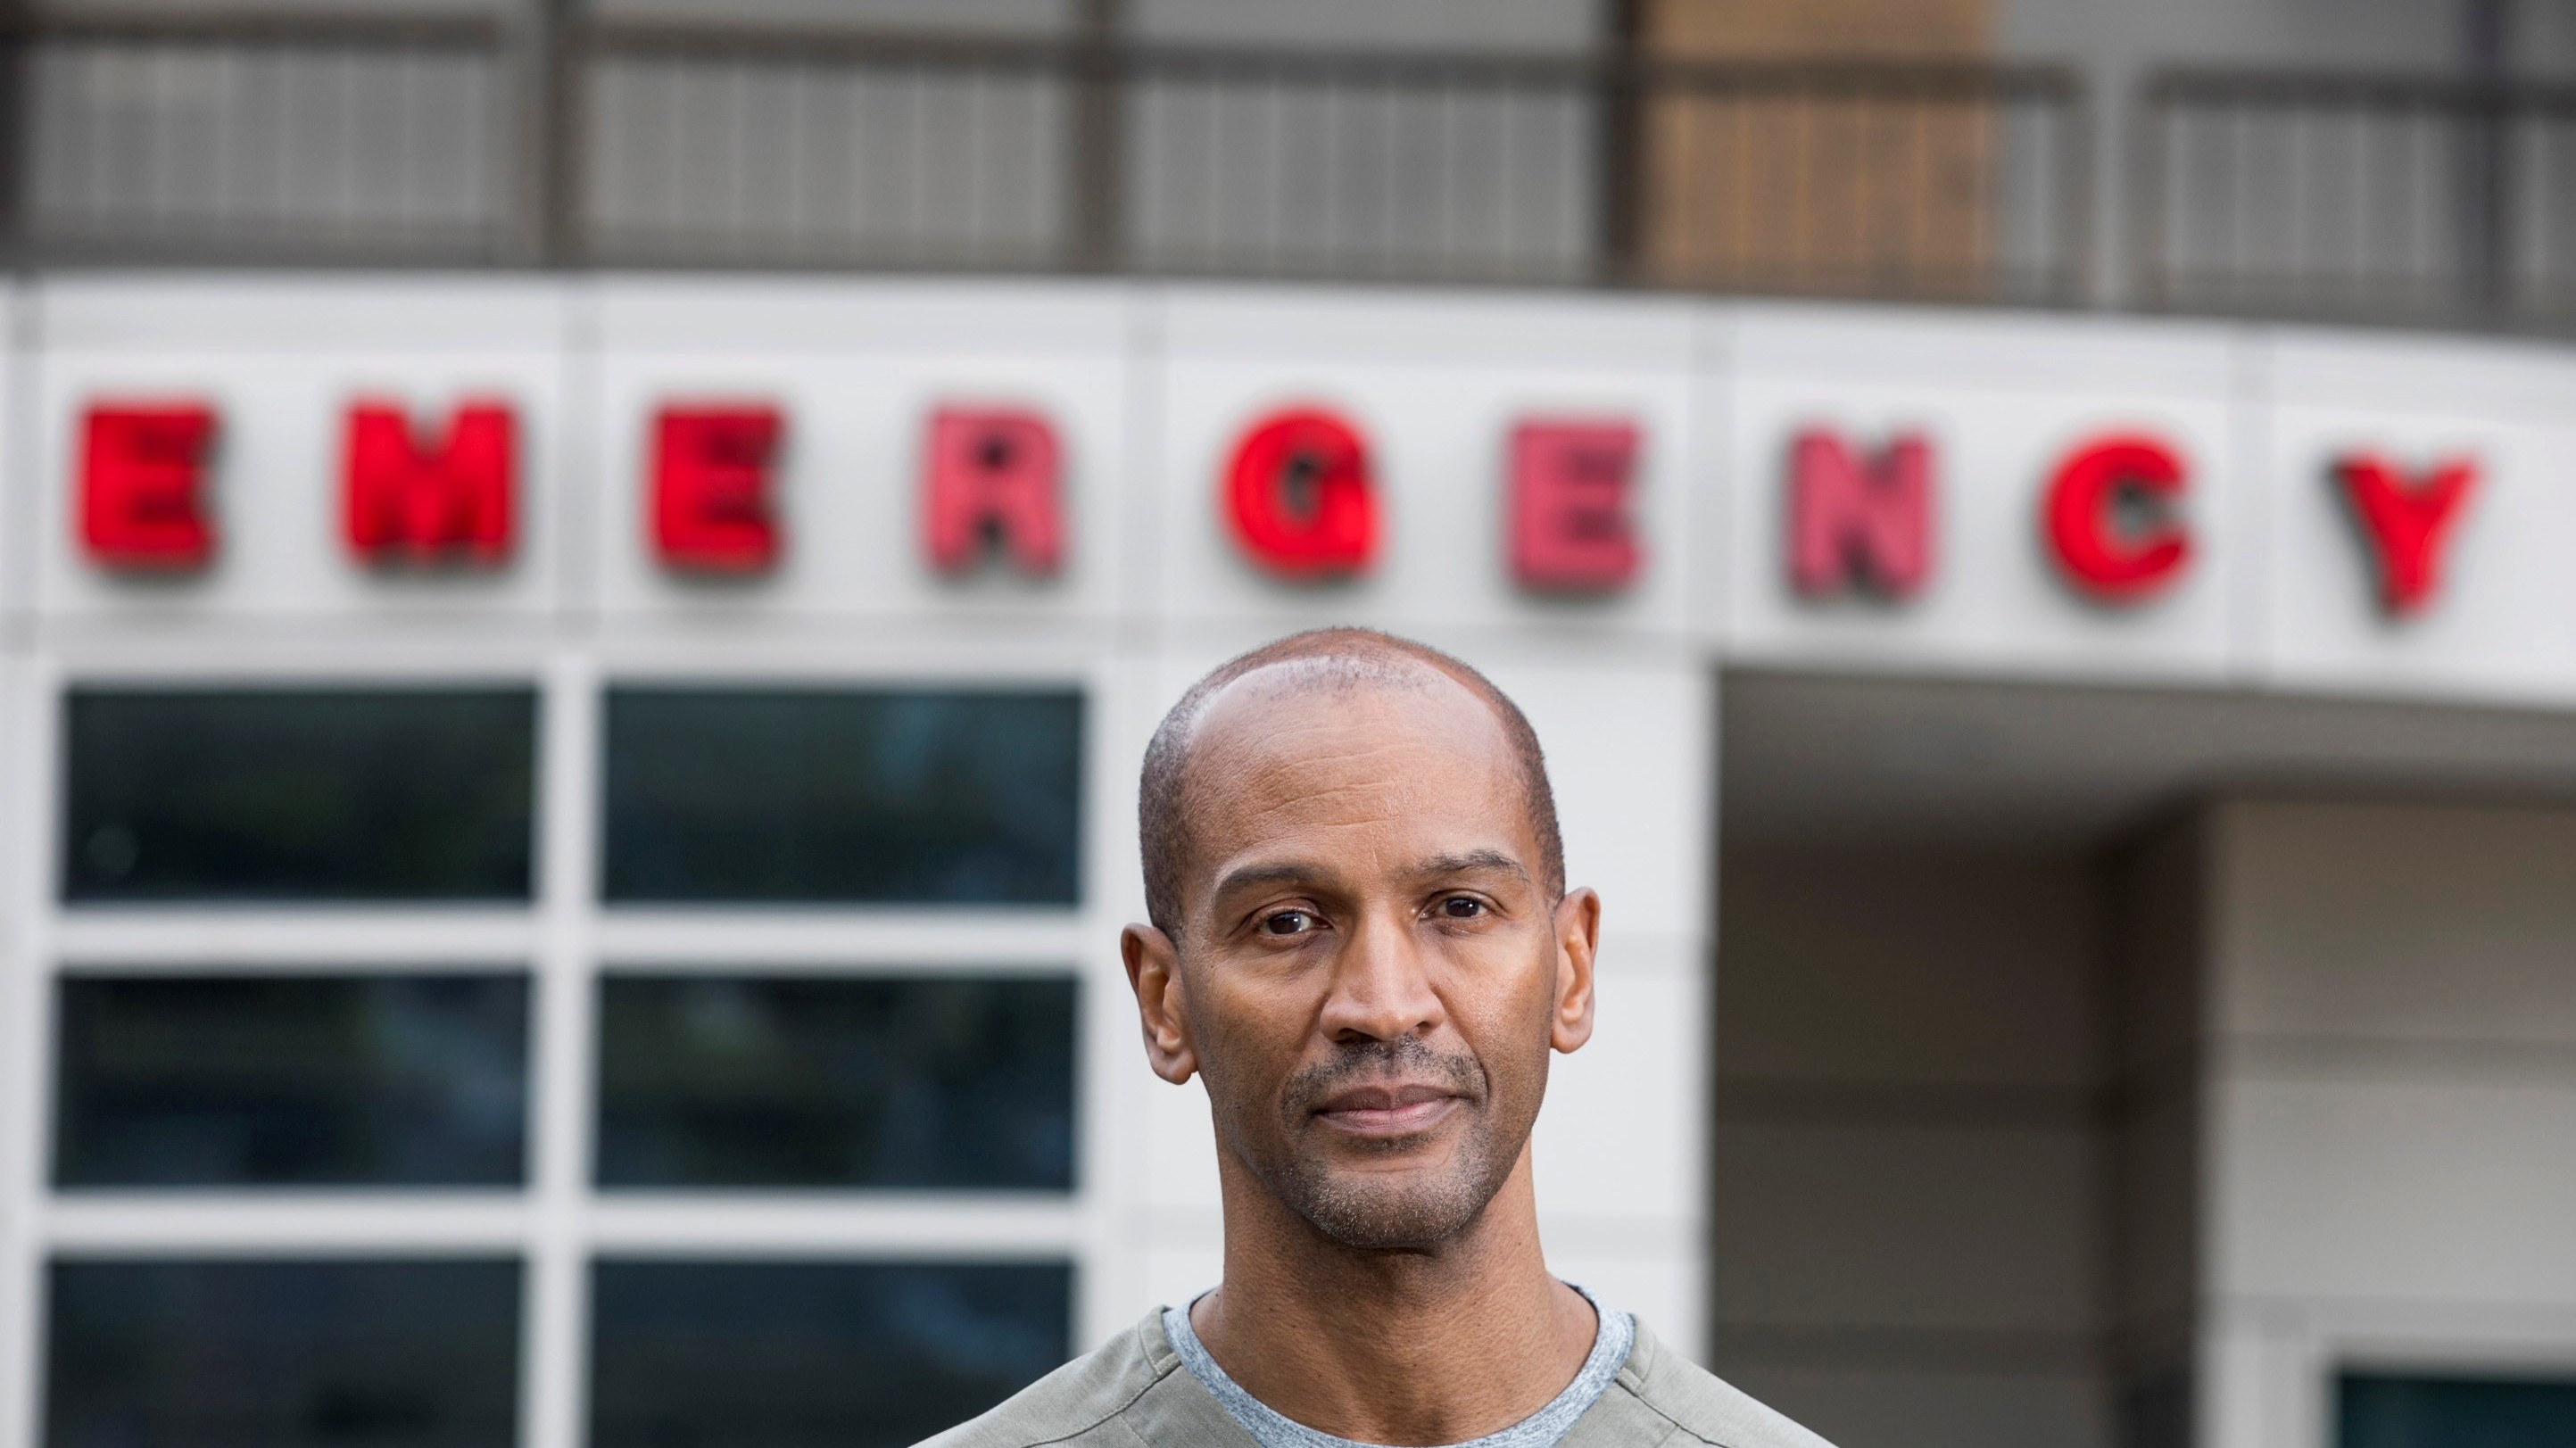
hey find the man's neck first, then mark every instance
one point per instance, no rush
(1424, 1347)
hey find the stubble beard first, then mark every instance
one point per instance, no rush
(1413, 1211)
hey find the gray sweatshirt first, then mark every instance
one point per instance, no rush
(1135, 1392)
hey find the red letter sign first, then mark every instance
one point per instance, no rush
(1859, 521)
(1570, 483)
(711, 508)
(448, 500)
(991, 473)
(1299, 495)
(2116, 559)
(2405, 522)
(142, 468)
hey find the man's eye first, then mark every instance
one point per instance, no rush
(1459, 907)
(1288, 922)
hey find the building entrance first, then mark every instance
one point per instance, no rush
(2110, 1066)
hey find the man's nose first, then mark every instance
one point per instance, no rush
(1381, 989)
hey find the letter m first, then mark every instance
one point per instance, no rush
(1859, 521)
(425, 501)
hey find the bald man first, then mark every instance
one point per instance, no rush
(1362, 943)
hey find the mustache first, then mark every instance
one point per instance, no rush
(1406, 1057)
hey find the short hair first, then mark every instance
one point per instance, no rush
(1344, 658)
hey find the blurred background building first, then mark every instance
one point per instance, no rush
(581, 587)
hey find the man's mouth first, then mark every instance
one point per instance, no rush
(1386, 1110)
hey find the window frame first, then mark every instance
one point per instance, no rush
(563, 938)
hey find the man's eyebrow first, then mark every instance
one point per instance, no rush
(1290, 872)
(1461, 864)
(1285, 872)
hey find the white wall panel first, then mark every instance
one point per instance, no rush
(279, 360)
(2504, 621)
(2001, 400)
(2400, 924)
(856, 370)
(1435, 384)
(1621, 1135)
(1631, 759)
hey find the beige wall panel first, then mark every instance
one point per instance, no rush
(2458, 1188)
(2155, 969)
(1891, 1407)
(2155, 947)
(1888, 1227)
(2155, 1218)
(1918, 966)
(2396, 922)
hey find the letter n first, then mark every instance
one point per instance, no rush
(1858, 521)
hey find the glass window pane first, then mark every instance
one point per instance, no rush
(300, 1080)
(299, 795)
(828, 1354)
(2392, 1411)
(726, 1081)
(843, 796)
(248, 1354)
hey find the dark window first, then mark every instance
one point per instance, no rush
(2439, 1411)
(824, 797)
(232, 1354)
(299, 795)
(346, 1080)
(814, 1354)
(719, 1081)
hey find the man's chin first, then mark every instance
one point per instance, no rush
(1381, 1211)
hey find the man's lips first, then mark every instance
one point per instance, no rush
(1386, 1110)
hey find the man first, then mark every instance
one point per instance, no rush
(1363, 944)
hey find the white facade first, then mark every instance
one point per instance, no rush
(1146, 387)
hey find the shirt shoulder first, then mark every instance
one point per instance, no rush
(1127, 1393)
(1071, 1404)
(1661, 1397)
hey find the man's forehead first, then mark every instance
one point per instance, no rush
(1315, 710)
(1289, 747)
(1334, 673)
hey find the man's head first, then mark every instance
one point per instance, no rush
(1361, 936)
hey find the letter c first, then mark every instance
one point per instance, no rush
(2114, 559)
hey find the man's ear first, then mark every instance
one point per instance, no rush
(1578, 933)
(1154, 973)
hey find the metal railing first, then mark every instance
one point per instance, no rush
(822, 148)
(576, 140)
(2388, 198)
(312, 138)
(560, 138)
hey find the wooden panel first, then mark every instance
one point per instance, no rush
(1789, 189)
